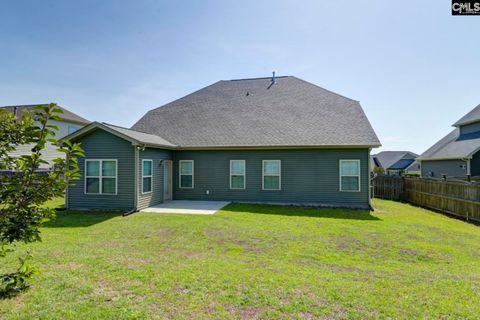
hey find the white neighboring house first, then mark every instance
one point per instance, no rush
(69, 123)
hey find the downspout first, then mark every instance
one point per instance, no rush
(67, 189)
(369, 181)
(135, 189)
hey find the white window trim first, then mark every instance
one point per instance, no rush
(340, 174)
(100, 176)
(150, 176)
(244, 175)
(180, 174)
(279, 175)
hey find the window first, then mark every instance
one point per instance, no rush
(72, 129)
(237, 174)
(147, 176)
(186, 174)
(101, 176)
(350, 175)
(271, 175)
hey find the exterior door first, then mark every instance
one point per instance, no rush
(167, 180)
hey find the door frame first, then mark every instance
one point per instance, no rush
(169, 164)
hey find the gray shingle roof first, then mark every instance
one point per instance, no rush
(141, 137)
(414, 166)
(136, 137)
(253, 112)
(66, 115)
(401, 164)
(388, 159)
(471, 117)
(452, 147)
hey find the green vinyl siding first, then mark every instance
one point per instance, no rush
(308, 176)
(146, 200)
(103, 145)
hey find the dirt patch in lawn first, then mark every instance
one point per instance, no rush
(244, 313)
(412, 255)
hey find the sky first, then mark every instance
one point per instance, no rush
(413, 66)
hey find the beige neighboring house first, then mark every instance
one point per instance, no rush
(69, 123)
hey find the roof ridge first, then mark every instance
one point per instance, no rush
(26, 105)
(259, 78)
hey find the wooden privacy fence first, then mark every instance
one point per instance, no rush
(388, 187)
(461, 199)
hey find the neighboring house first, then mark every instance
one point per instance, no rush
(69, 123)
(394, 162)
(269, 140)
(415, 168)
(457, 154)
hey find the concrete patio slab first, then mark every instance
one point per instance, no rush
(187, 207)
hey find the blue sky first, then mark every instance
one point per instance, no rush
(414, 68)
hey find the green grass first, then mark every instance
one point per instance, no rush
(251, 261)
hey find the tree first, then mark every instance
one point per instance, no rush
(23, 192)
(378, 170)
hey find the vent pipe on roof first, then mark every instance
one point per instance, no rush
(273, 77)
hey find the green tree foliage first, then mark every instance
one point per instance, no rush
(378, 169)
(23, 193)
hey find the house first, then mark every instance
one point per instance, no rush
(457, 154)
(394, 162)
(414, 169)
(269, 140)
(69, 122)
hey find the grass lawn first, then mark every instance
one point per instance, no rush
(251, 261)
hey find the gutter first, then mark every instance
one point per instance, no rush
(84, 130)
(276, 147)
(369, 179)
(136, 151)
(439, 159)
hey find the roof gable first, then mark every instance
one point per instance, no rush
(452, 146)
(471, 117)
(136, 137)
(257, 113)
(66, 116)
(456, 145)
